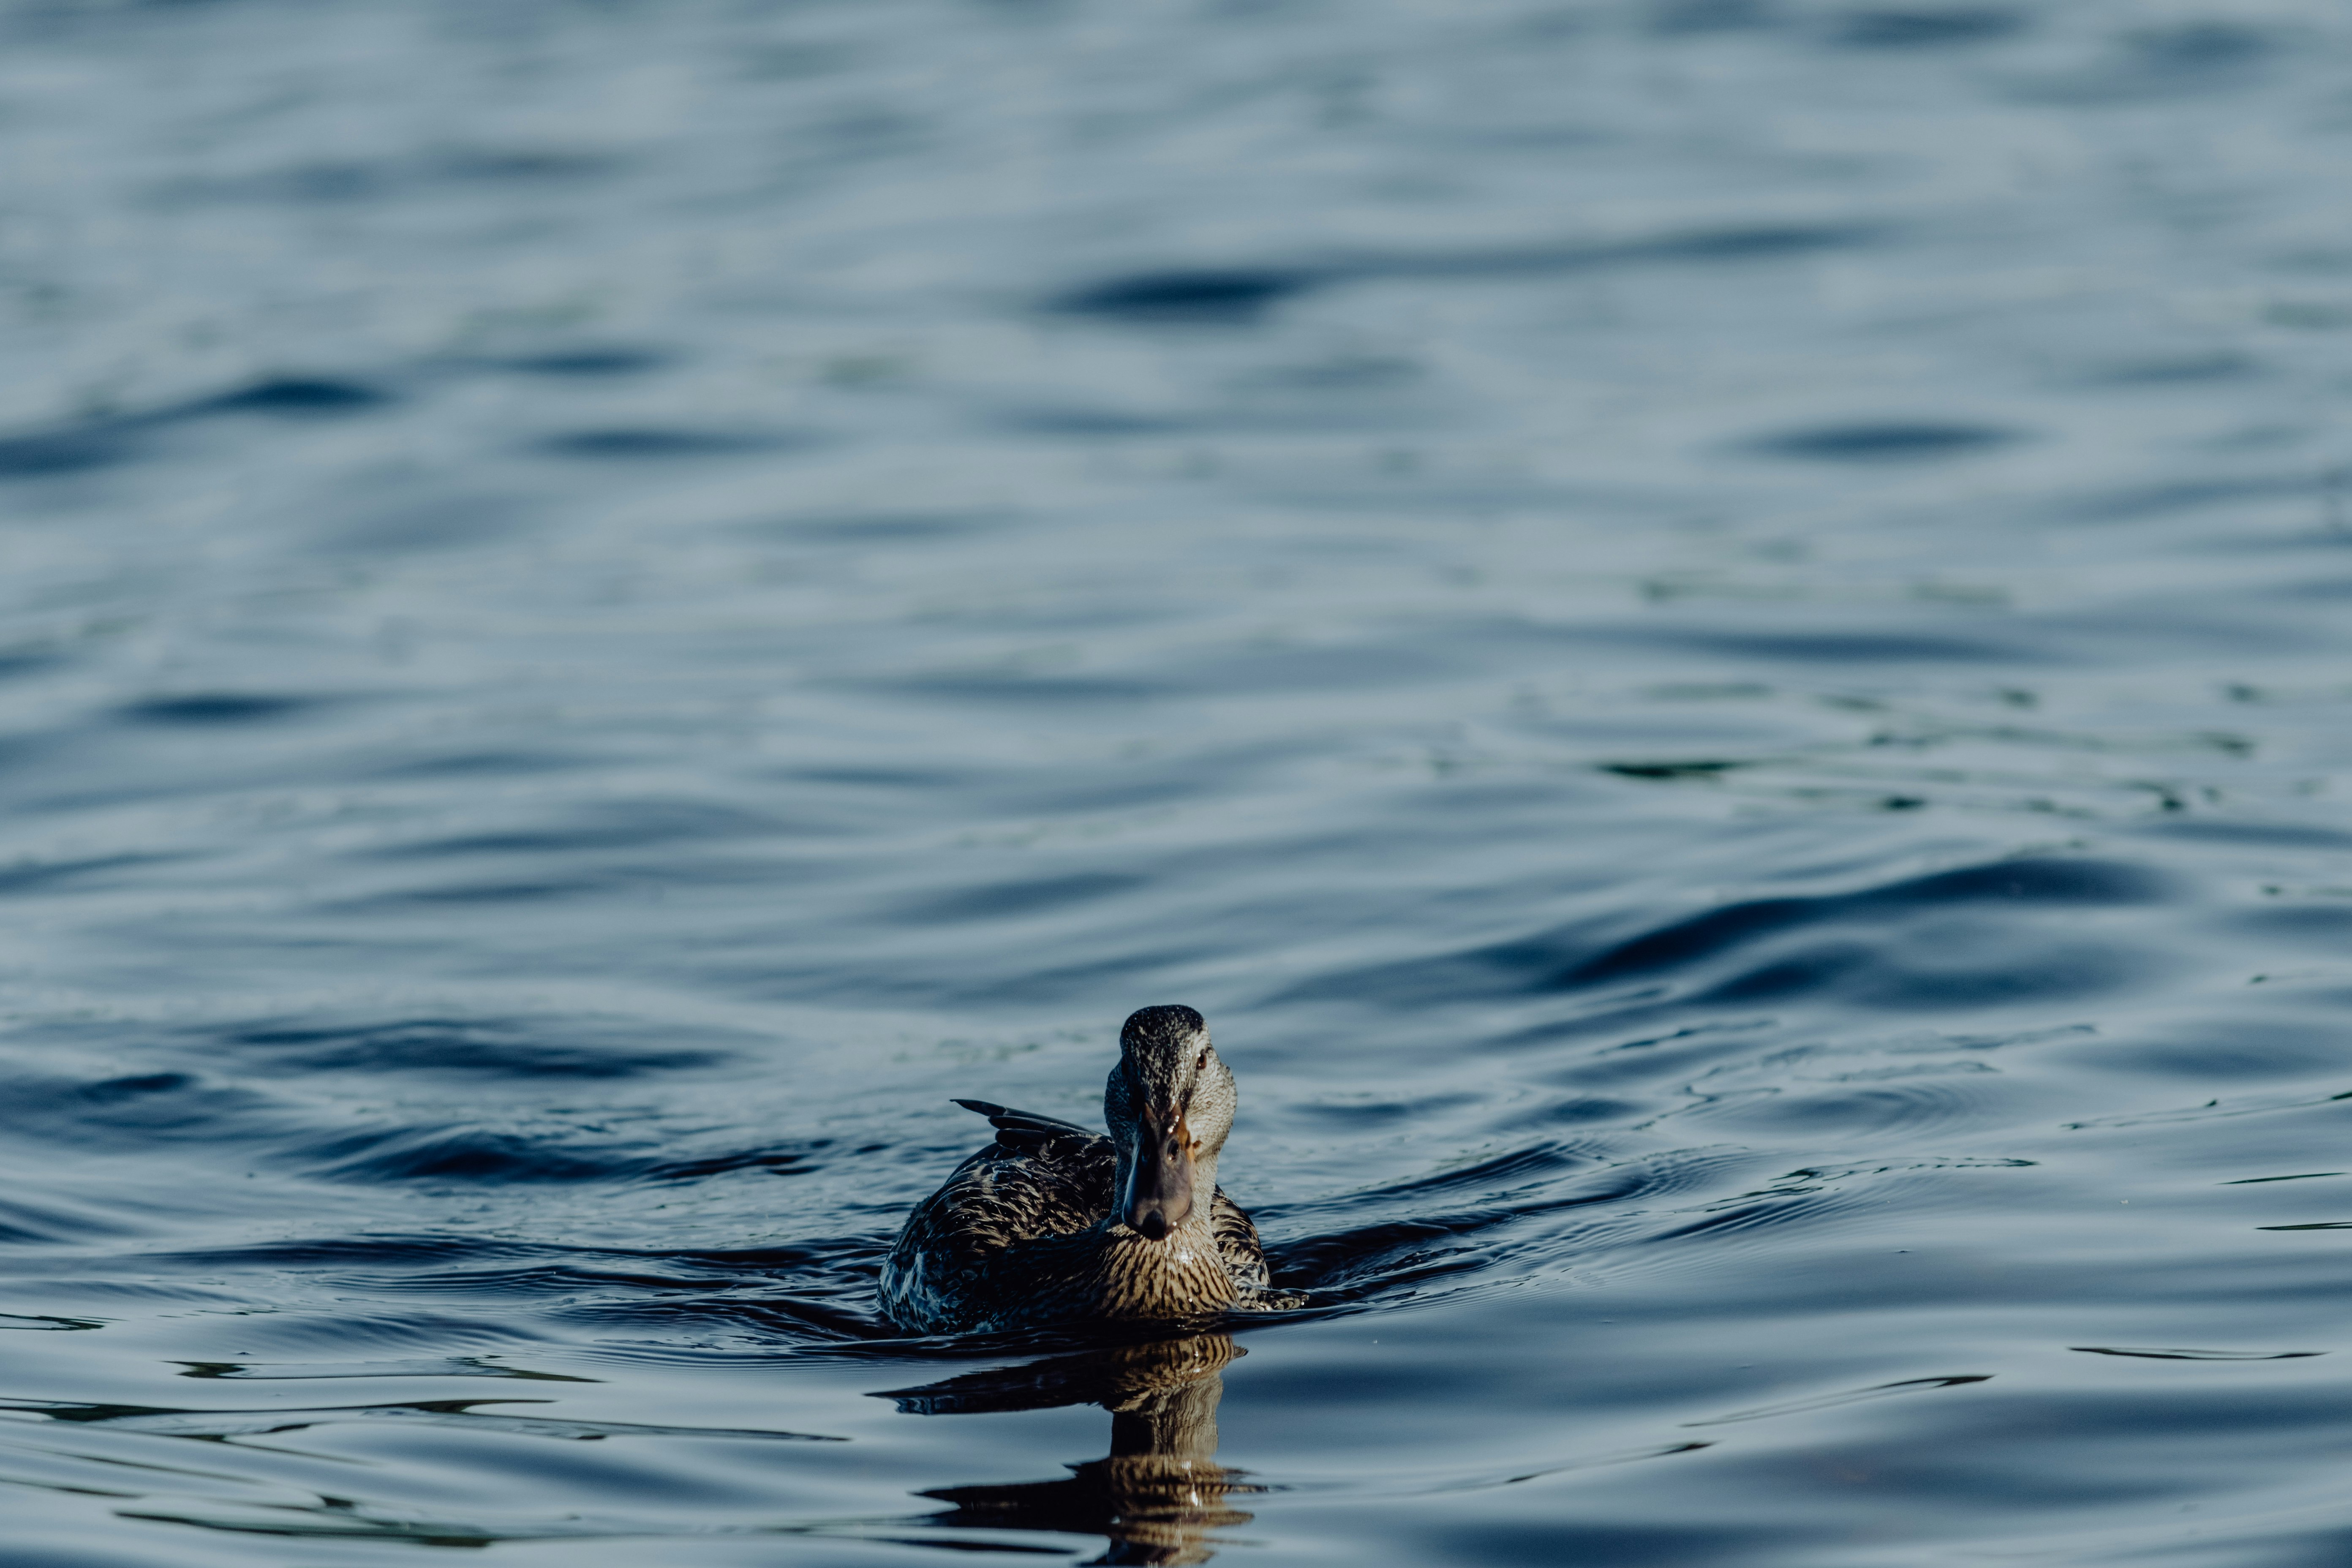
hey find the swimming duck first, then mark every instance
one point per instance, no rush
(1054, 1223)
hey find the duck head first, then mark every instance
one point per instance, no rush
(1170, 1103)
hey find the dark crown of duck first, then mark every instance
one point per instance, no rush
(1169, 1104)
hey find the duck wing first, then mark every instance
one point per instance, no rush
(1025, 1132)
(1047, 1138)
(1237, 1242)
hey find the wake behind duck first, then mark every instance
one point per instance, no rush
(1054, 1223)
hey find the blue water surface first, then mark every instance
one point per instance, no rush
(1715, 634)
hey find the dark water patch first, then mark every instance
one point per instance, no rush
(29, 1222)
(1850, 1396)
(1710, 1037)
(361, 183)
(1697, 769)
(292, 396)
(2213, 1110)
(1015, 899)
(1677, 19)
(204, 709)
(532, 1049)
(839, 1261)
(585, 363)
(1499, 1172)
(2174, 496)
(413, 1254)
(2195, 1355)
(473, 1156)
(2254, 629)
(765, 1326)
(524, 165)
(2322, 590)
(1387, 1259)
(563, 1276)
(302, 1371)
(649, 443)
(872, 778)
(44, 1324)
(16, 664)
(116, 1090)
(2316, 923)
(2200, 49)
(877, 527)
(44, 454)
(767, 1162)
(1517, 1542)
(1551, 961)
(1365, 1115)
(474, 1413)
(2075, 883)
(1390, 1258)
(1891, 441)
(612, 824)
(2183, 369)
(1955, 1099)
(1549, 1467)
(321, 182)
(481, 762)
(2215, 1054)
(2196, 55)
(1582, 1110)
(513, 891)
(1861, 648)
(1760, 1214)
(1234, 296)
(1088, 424)
(29, 877)
(1015, 689)
(2255, 834)
(1188, 296)
(1702, 246)
(1812, 1177)
(1924, 28)
(123, 1111)
(1861, 972)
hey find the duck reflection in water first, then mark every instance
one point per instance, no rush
(1160, 1491)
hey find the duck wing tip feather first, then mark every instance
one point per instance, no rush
(1027, 1130)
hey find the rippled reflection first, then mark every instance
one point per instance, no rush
(1158, 1492)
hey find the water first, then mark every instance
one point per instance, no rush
(1713, 635)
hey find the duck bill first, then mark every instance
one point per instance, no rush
(1158, 1195)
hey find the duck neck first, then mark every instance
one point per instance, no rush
(1181, 1273)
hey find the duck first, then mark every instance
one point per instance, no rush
(1052, 1224)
